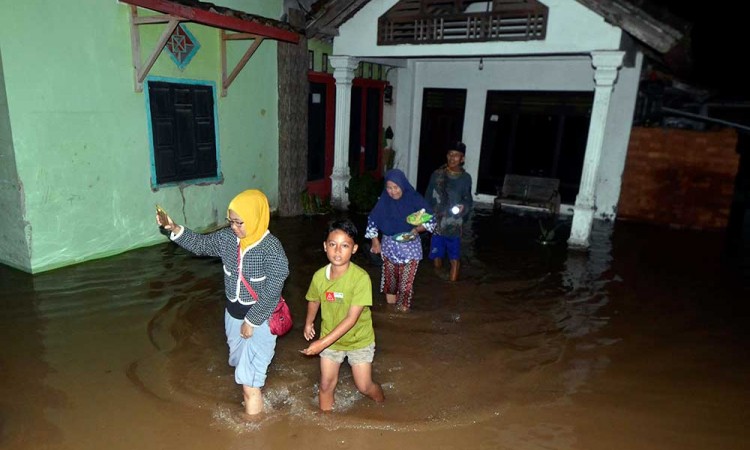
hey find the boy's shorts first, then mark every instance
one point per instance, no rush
(359, 356)
(439, 245)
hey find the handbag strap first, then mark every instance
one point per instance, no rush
(242, 277)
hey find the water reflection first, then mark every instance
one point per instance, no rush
(529, 327)
(586, 277)
(25, 394)
(511, 312)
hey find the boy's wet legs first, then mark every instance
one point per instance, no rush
(455, 266)
(329, 378)
(363, 380)
(253, 399)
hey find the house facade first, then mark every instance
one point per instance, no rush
(583, 70)
(107, 108)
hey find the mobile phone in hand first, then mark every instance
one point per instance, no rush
(162, 215)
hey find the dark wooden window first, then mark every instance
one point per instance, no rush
(183, 131)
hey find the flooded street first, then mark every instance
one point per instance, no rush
(639, 343)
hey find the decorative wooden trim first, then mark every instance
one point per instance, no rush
(142, 69)
(432, 22)
(227, 81)
(145, 20)
(135, 48)
(214, 19)
(157, 49)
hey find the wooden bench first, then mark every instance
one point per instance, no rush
(538, 194)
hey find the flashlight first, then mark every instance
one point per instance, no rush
(455, 210)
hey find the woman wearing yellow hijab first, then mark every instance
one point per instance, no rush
(250, 203)
(255, 267)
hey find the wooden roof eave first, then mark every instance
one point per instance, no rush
(326, 21)
(174, 13)
(648, 30)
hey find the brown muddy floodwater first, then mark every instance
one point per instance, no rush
(639, 343)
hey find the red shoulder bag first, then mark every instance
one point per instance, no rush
(280, 321)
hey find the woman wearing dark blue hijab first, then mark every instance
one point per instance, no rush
(401, 248)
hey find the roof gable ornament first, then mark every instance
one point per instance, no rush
(452, 21)
(182, 46)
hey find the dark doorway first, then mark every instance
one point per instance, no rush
(316, 132)
(534, 133)
(320, 128)
(442, 125)
(365, 136)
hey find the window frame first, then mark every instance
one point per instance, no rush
(155, 185)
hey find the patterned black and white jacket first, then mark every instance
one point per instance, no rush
(264, 266)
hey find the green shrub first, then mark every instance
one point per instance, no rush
(364, 191)
(312, 204)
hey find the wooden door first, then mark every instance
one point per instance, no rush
(365, 128)
(442, 126)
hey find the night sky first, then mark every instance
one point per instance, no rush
(717, 45)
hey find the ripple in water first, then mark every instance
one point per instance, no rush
(466, 354)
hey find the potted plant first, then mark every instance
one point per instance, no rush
(312, 204)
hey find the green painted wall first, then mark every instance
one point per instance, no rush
(319, 47)
(81, 138)
(365, 69)
(13, 228)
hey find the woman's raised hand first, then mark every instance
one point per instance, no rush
(166, 222)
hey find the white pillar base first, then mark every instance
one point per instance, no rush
(340, 188)
(580, 231)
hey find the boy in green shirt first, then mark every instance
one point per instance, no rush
(345, 292)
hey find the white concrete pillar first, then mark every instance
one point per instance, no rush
(606, 65)
(343, 72)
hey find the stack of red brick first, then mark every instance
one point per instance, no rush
(680, 178)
